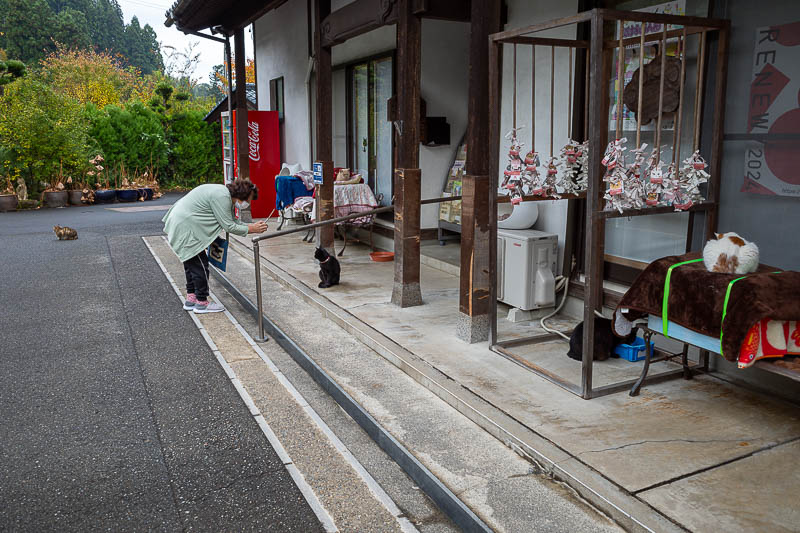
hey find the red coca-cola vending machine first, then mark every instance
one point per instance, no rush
(265, 156)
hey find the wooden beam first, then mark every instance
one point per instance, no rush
(407, 178)
(475, 280)
(356, 18)
(547, 41)
(324, 125)
(242, 138)
(454, 10)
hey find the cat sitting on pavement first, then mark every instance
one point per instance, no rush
(65, 233)
(329, 268)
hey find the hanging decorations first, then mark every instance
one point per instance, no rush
(616, 175)
(692, 174)
(533, 180)
(655, 179)
(512, 176)
(635, 187)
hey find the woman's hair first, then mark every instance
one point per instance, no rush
(241, 189)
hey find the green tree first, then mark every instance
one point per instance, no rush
(69, 29)
(195, 151)
(10, 71)
(45, 131)
(132, 136)
(26, 29)
(215, 81)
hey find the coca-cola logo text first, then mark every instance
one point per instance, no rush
(253, 137)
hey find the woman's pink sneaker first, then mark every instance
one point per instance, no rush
(191, 301)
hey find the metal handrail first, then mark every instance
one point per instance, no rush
(337, 220)
(257, 240)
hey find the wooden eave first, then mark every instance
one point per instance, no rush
(198, 15)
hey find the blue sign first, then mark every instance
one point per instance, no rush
(317, 168)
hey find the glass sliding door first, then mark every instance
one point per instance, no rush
(370, 131)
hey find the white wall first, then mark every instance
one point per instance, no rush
(339, 117)
(444, 86)
(445, 89)
(552, 215)
(281, 49)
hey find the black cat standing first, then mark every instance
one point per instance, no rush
(329, 268)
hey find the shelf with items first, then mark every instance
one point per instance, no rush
(620, 181)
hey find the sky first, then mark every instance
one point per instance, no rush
(152, 12)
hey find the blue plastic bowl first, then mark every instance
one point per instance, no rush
(105, 196)
(128, 195)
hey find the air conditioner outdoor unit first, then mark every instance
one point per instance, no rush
(526, 268)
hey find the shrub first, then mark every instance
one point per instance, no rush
(195, 151)
(44, 131)
(95, 77)
(131, 137)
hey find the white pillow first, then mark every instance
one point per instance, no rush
(289, 169)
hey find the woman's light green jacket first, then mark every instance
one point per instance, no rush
(197, 219)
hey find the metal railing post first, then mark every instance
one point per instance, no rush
(257, 259)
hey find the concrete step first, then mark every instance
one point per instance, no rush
(547, 456)
(507, 491)
(341, 491)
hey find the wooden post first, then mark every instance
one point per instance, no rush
(595, 228)
(715, 168)
(495, 78)
(242, 144)
(474, 291)
(324, 129)
(407, 177)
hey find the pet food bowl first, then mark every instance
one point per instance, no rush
(633, 352)
(381, 257)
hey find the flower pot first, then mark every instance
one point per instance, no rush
(105, 196)
(8, 202)
(55, 199)
(75, 197)
(128, 195)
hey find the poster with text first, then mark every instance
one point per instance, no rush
(772, 167)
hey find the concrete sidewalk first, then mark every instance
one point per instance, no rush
(702, 455)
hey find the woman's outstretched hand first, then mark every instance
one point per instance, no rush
(257, 227)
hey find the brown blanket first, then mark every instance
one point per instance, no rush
(697, 296)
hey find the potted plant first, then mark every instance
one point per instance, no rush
(125, 191)
(8, 197)
(74, 192)
(103, 193)
(55, 194)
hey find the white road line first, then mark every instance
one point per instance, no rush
(308, 493)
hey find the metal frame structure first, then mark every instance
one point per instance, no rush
(595, 54)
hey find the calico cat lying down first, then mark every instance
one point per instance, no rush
(604, 340)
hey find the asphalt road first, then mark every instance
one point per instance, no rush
(114, 414)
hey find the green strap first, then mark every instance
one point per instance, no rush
(665, 303)
(725, 304)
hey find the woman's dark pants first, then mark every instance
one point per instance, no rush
(196, 270)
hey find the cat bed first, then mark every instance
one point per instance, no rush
(697, 300)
